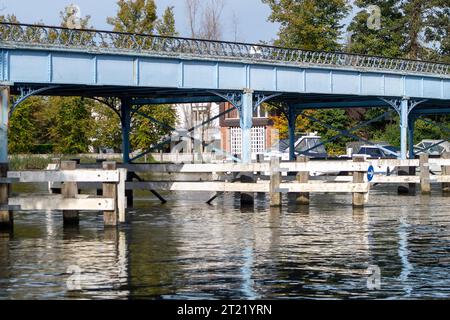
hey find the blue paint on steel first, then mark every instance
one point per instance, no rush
(370, 173)
(177, 100)
(404, 116)
(411, 128)
(246, 122)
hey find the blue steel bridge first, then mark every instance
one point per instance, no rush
(131, 70)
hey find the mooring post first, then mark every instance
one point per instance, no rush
(425, 184)
(6, 216)
(275, 180)
(446, 172)
(407, 188)
(358, 177)
(129, 193)
(100, 161)
(110, 218)
(303, 177)
(260, 159)
(69, 189)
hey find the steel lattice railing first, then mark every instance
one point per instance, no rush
(24, 35)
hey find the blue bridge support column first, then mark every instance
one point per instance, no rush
(411, 126)
(246, 122)
(404, 117)
(125, 112)
(292, 119)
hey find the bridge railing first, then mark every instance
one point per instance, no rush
(25, 35)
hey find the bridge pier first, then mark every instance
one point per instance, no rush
(246, 123)
(404, 119)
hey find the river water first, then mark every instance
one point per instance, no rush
(398, 247)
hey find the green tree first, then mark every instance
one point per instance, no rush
(387, 41)
(309, 24)
(135, 16)
(145, 132)
(166, 25)
(22, 128)
(71, 132)
(106, 129)
(427, 24)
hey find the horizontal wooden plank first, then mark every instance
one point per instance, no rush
(395, 179)
(82, 175)
(440, 179)
(325, 187)
(56, 202)
(322, 166)
(200, 186)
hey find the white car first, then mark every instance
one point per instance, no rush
(309, 145)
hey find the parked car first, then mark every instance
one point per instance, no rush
(377, 152)
(433, 147)
(308, 145)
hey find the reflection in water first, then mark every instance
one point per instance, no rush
(403, 251)
(190, 250)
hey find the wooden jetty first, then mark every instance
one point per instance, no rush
(297, 179)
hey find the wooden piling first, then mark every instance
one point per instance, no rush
(129, 193)
(303, 177)
(110, 218)
(407, 188)
(425, 184)
(358, 177)
(260, 159)
(446, 172)
(6, 215)
(247, 199)
(69, 190)
(275, 180)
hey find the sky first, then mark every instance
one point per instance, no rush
(251, 15)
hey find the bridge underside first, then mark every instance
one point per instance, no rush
(293, 104)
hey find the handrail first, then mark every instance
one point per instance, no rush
(45, 36)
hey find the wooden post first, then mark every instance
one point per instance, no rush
(129, 193)
(303, 177)
(275, 180)
(446, 172)
(425, 185)
(6, 216)
(110, 218)
(100, 161)
(56, 165)
(260, 159)
(407, 188)
(358, 177)
(69, 190)
(247, 199)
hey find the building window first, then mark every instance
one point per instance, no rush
(258, 140)
(260, 112)
(200, 113)
(234, 114)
